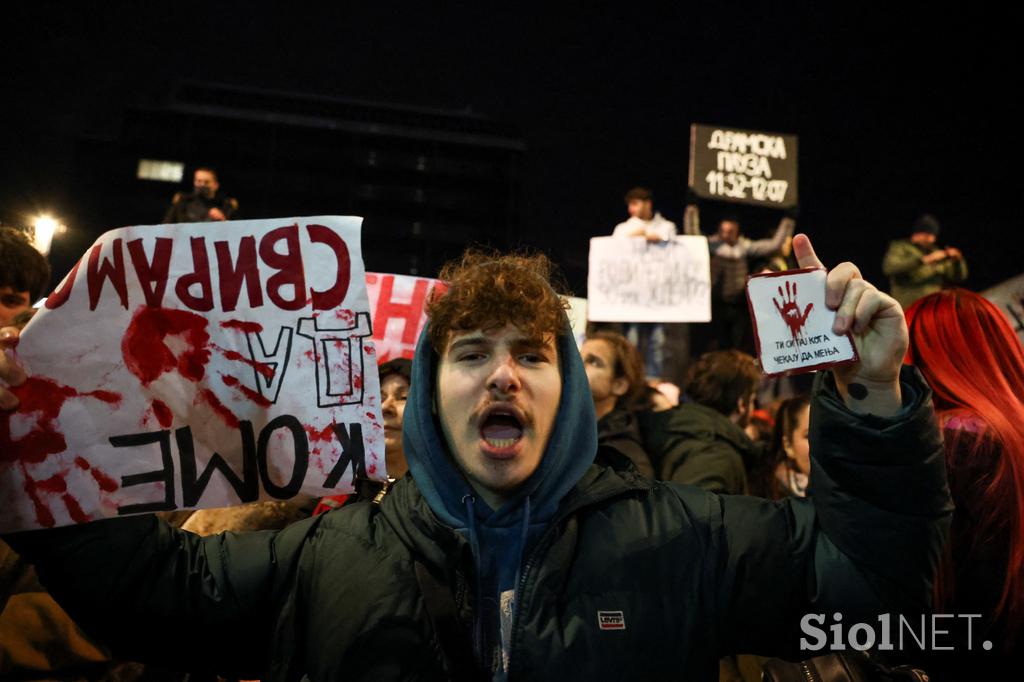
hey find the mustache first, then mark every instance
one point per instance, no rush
(489, 407)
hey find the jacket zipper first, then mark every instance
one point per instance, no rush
(541, 545)
(809, 673)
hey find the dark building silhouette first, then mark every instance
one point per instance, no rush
(428, 181)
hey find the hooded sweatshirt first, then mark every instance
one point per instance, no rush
(501, 538)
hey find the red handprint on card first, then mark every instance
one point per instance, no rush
(790, 310)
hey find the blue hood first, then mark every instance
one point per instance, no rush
(500, 538)
(569, 453)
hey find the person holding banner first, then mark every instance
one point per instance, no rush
(644, 221)
(24, 274)
(507, 554)
(731, 253)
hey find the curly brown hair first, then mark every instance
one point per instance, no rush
(490, 290)
(720, 378)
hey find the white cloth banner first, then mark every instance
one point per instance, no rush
(398, 305)
(633, 280)
(198, 365)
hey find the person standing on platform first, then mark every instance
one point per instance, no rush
(205, 203)
(644, 221)
(917, 267)
(731, 253)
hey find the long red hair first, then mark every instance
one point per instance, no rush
(974, 362)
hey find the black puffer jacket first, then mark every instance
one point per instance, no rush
(688, 575)
(619, 430)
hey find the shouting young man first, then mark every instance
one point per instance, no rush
(507, 554)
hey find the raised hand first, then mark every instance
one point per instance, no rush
(11, 374)
(879, 332)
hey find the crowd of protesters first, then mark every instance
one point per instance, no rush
(561, 513)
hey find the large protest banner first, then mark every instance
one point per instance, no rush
(398, 307)
(199, 365)
(1009, 296)
(633, 280)
(743, 166)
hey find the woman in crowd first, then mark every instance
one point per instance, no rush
(786, 467)
(615, 372)
(974, 363)
(395, 379)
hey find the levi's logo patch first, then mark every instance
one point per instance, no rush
(611, 620)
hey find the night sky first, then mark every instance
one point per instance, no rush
(898, 111)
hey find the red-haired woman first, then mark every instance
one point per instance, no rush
(974, 363)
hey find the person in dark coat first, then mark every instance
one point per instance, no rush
(702, 442)
(204, 203)
(507, 554)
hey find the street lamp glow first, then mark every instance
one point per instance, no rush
(43, 229)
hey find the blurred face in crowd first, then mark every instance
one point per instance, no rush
(12, 302)
(394, 390)
(605, 388)
(744, 408)
(497, 397)
(640, 208)
(797, 447)
(205, 183)
(923, 238)
(729, 231)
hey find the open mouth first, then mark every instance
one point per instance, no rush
(501, 429)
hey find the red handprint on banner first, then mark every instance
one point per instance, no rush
(790, 310)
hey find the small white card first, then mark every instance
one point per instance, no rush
(792, 325)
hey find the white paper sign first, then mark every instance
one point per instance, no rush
(792, 325)
(633, 280)
(199, 365)
(577, 313)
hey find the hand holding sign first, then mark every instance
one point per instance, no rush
(879, 332)
(11, 374)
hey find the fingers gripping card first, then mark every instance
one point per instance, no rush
(792, 324)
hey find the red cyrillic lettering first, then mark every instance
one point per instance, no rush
(231, 275)
(288, 266)
(98, 272)
(333, 297)
(200, 275)
(411, 312)
(152, 276)
(60, 296)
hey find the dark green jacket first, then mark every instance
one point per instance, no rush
(910, 278)
(619, 430)
(700, 446)
(690, 575)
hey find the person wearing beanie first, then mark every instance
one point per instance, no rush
(917, 266)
